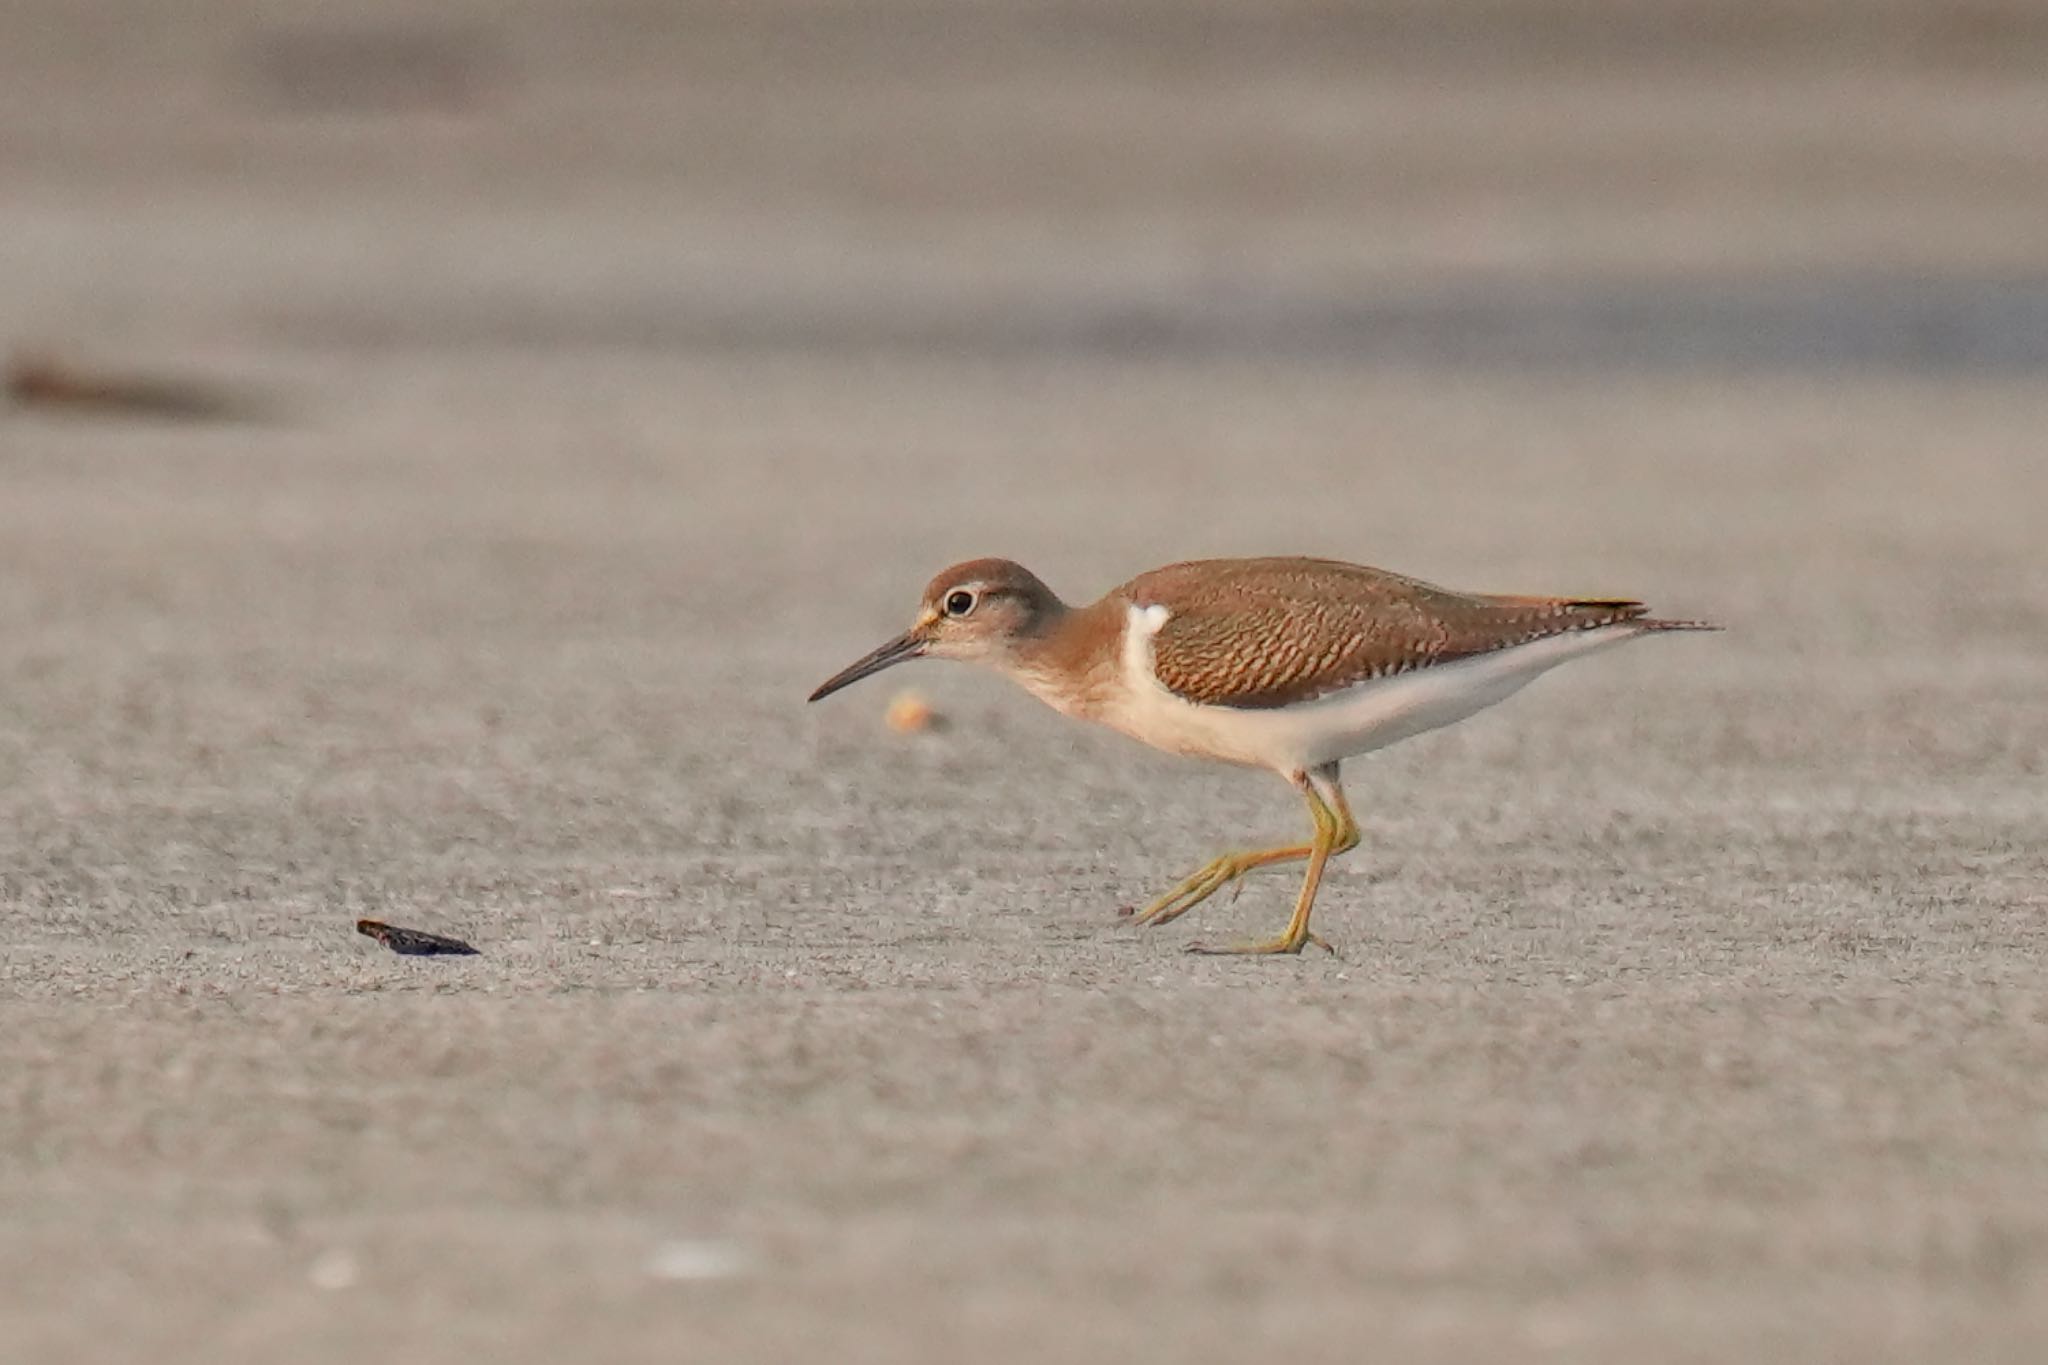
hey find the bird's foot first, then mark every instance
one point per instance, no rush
(1283, 944)
(1192, 890)
(1207, 880)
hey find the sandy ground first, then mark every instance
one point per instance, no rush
(1690, 1005)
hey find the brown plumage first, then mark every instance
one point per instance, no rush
(1259, 633)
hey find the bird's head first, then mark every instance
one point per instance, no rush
(980, 611)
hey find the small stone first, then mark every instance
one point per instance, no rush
(910, 714)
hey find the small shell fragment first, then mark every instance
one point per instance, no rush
(684, 1261)
(910, 714)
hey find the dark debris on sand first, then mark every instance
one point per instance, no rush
(414, 942)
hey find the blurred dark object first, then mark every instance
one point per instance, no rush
(43, 381)
(414, 68)
(414, 942)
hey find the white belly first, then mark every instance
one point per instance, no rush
(1357, 720)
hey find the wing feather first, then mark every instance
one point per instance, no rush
(1262, 633)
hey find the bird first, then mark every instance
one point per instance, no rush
(1286, 664)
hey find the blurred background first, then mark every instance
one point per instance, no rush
(1528, 180)
(444, 444)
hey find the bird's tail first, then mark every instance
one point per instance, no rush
(1623, 611)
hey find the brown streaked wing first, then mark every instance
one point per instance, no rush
(1261, 633)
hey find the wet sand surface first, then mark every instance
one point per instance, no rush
(623, 376)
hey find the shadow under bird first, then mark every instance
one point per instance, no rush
(1288, 664)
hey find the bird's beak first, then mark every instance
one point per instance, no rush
(908, 645)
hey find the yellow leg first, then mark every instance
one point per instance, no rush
(1347, 827)
(1212, 877)
(1336, 832)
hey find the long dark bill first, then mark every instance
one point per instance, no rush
(904, 646)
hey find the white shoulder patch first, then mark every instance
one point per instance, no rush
(1150, 619)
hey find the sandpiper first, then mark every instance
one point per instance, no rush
(1288, 664)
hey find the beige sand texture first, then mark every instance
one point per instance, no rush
(626, 368)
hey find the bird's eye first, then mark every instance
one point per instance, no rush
(959, 602)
